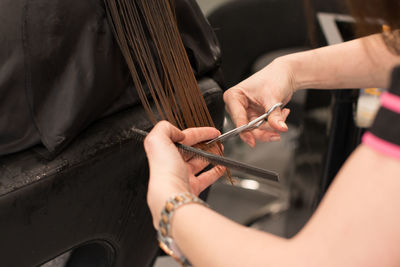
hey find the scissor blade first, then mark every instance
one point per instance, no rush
(227, 135)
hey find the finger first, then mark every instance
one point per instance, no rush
(196, 165)
(167, 131)
(277, 120)
(197, 135)
(268, 137)
(236, 105)
(266, 131)
(209, 177)
(265, 127)
(285, 113)
(251, 137)
(160, 142)
(248, 138)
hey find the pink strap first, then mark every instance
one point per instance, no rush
(391, 101)
(381, 145)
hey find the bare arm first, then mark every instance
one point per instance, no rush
(361, 63)
(357, 224)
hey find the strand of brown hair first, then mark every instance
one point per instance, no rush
(148, 35)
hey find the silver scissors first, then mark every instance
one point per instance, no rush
(247, 127)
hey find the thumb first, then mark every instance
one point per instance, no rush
(277, 120)
(160, 142)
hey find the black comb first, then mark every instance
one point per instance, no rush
(140, 135)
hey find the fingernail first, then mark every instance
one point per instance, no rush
(283, 125)
(253, 144)
(275, 138)
(250, 142)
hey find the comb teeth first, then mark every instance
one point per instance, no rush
(188, 151)
(216, 160)
(139, 135)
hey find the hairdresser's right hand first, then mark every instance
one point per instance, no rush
(255, 95)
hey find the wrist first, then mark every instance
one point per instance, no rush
(157, 199)
(165, 239)
(301, 75)
(290, 66)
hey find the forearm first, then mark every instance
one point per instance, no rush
(360, 63)
(355, 225)
(357, 222)
(209, 239)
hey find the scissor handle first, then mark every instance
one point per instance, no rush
(263, 118)
(247, 127)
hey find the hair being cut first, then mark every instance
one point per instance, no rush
(148, 35)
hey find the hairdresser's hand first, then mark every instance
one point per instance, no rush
(255, 95)
(170, 174)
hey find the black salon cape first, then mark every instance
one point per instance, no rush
(61, 68)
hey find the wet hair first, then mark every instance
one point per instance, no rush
(149, 39)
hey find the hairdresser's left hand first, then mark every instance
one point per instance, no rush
(170, 174)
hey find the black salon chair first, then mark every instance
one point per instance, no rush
(93, 193)
(67, 83)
